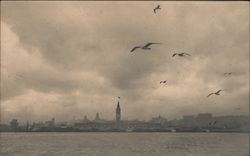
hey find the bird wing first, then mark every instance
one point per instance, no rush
(186, 54)
(174, 54)
(135, 48)
(154, 10)
(149, 44)
(158, 7)
(227, 73)
(218, 91)
(210, 94)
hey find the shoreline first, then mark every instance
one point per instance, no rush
(239, 132)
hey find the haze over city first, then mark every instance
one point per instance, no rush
(70, 59)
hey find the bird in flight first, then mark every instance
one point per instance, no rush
(163, 81)
(145, 47)
(216, 93)
(181, 54)
(19, 75)
(157, 8)
(212, 123)
(228, 74)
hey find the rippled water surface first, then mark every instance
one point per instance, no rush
(124, 144)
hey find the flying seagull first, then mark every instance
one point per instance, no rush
(156, 8)
(163, 81)
(19, 75)
(145, 47)
(212, 123)
(227, 74)
(181, 54)
(216, 93)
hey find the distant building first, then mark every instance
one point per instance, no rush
(14, 125)
(85, 119)
(97, 117)
(203, 119)
(27, 126)
(188, 117)
(50, 123)
(204, 116)
(159, 119)
(118, 113)
(188, 121)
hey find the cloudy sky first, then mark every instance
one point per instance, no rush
(70, 59)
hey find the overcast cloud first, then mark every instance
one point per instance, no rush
(70, 59)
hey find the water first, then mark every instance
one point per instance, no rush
(124, 144)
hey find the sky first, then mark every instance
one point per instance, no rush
(70, 59)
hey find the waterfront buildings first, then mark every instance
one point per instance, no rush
(203, 122)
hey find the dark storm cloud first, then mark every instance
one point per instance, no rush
(69, 41)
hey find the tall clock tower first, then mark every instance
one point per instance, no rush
(118, 112)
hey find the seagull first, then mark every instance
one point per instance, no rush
(212, 123)
(145, 47)
(216, 93)
(163, 81)
(227, 74)
(158, 7)
(181, 54)
(19, 75)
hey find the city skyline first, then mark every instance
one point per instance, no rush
(117, 117)
(65, 59)
(201, 122)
